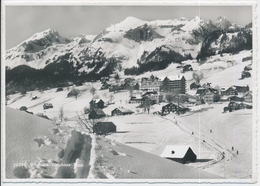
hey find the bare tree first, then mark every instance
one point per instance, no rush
(169, 98)
(131, 91)
(7, 98)
(93, 90)
(90, 125)
(74, 93)
(86, 110)
(61, 114)
(197, 76)
(111, 98)
(86, 123)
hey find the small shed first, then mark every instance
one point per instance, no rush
(23, 108)
(96, 113)
(121, 111)
(59, 89)
(179, 153)
(104, 127)
(47, 106)
(105, 85)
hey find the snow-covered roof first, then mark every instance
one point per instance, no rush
(97, 100)
(175, 151)
(125, 110)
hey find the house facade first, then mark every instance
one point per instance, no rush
(96, 103)
(248, 97)
(104, 127)
(208, 96)
(96, 113)
(121, 112)
(135, 100)
(147, 101)
(105, 85)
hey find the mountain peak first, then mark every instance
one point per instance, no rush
(131, 19)
(221, 18)
(222, 23)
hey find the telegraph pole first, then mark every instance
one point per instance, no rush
(178, 91)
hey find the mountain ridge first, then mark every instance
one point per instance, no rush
(128, 44)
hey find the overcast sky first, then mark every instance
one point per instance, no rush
(24, 21)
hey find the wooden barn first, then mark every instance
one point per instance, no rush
(105, 85)
(96, 103)
(96, 113)
(179, 153)
(121, 112)
(104, 127)
(47, 106)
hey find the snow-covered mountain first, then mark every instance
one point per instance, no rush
(127, 44)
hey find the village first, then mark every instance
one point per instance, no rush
(140, 111)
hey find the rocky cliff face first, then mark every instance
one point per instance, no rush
(142, 33)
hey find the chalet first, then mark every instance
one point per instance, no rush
(104, 127)
(126, 86)
(248, 68)
(243, 105)
(104, 79)
(247, 58)
(96, 113)
(150, 84)
(194, 85)
(121, 112)
(176, 84)
(181, 98)
(136, 86)
(154, 95)
(134, 99)
(47, 106)
(179, 153)
(147, 101)
(105, 85)
(245, 74)
(96, 103)
(173, 107)
(236, 98)
(229, 91)
(73, 93)
(248, 97)
(241, 90)
(114, 88)
(208, 95)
